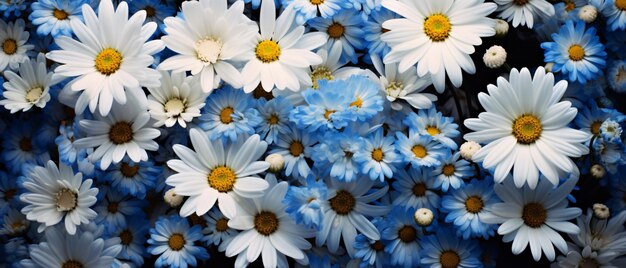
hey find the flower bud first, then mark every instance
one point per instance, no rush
(277, 162)
(588, 13)
(468, 149)
(502, 28)
(601, 211)
(495, 57)
(597, 171)
(424, 217)
(172, 199)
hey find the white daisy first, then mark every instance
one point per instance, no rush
(124, 132)
(524, 12)
(57, 194)
(532, 217)
(29, 88)
(332, 67)
(438, 36)
(215, 172)
(267, 230)
(607, 237)
(61, 249)
(209, 38)
(405, 85)
(282, 51)
(178, 99)
(13, 39)
(112, 55)
(526, 125)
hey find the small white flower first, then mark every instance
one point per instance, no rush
(178, 99)
(597, 171)
(601, 211)
(495, 57)
(468, 149)
(424, 217)
(502, 28)
(611, 129)
(57, 194)
(29, 88)
(276, 161)
(172, 199)
(588, 13)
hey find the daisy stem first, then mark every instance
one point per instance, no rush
(508, 67)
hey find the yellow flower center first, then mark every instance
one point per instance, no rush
(595, 127)
(267, 51)
(419, 189)
(175, 106)
(176, 242)
(60, 14)
(357, 103)
(448, 169)
(449, 259)
(534, 215)
(419, 151)
(527, 129)
(221, 225)
(576, 53)
(296, 148)
(343, 202)
(394, 89)
(273, 119)
(432, 130)
(620, 4)
(407, 234)
(120, 133)
(377, 154)
(72, 264)
(9, 46)
(328, 113)
(222, 179)
(335, 30)
(65, 200)
(474, 204)
(321, 72)
(129, 171)
(266, 223)
(437, 27)
(208, 49)
(33, 94)
(226, 115)
(108, 61)
(317, 2)
(126, 236)
(569, 5)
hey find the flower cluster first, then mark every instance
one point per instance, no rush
(323, 133)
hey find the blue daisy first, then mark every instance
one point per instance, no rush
(616, 75)
(402, 233)
(114, 210)
(13, 6)
(20, 147)
(414, 189)
(295, 146)
(615, 13)
(53, 16)
(229, 113)
(365, 98)
(217, 232)
(9, 192)
(325, 108)
(576, 52)
(309, 9)
(373, 28)
(174, 241)
(419, 150)
(466, 206)
(133, 236)
(335, 155)
(433, 123)
(590, 118)
(345, 27)
(451, 172)
(134, 179)
(443, 249)
(378, 156)
(371, 252)
(275, 118)
(304, 203)
(67, 152)
(155, 11)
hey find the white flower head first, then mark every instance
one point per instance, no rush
(13, 44)
(177, 100)
(111, 56)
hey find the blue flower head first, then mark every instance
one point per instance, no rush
(326, 108)
(466, 206)
(274, 118)
(303, 203)
(174, 241)
(433, 123)
(53, 16)
(576, 52)
(229, 113)
(364, 95)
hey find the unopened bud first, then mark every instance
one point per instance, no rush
(601, 211)
(424, 217)
(468, 149)
(502, 28)
(172, 199)
(276, 161)
(597, 171)
(588, 13)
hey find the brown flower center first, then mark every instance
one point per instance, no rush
(343, 202)
(60, 14)
(595, 127)
(520, 2)
(226, 115)
(72, 264)
(9, 46)
(221, 225)
(26, 144)
(534, 215)
(335, 30)
(419, 189)
(378, 246)
(407, 234)
(176, 242)
(150, 11)
(121, 132)
(129, 171)
(296, 148)
(448, 170)
(66, 200)
(266, 223)
(449, 259)
(377, 154)
(112, 207)
(474, 204)
(127, 237)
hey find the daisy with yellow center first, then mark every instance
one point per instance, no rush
(431, 33)
(216, 172)
(120, 58)
(178, 100)
(524, 12)
(281, 53)
(525, 127)
(13, 45)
